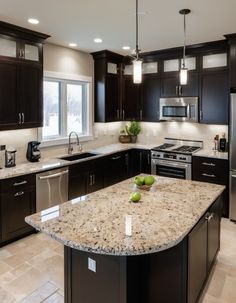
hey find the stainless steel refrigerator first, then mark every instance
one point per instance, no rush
(232, 158)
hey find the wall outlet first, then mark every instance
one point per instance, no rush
(91, 264)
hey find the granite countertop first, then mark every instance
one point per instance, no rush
(53, 163)
(212, 154)
(96, 223)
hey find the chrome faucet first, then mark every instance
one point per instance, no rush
(70, 147)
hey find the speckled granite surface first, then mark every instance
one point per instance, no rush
(212, 154)
(162, 218)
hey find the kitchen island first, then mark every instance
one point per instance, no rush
(158, 250)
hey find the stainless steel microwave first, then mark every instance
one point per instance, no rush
(179, 109)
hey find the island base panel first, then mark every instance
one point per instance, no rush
(151, 278)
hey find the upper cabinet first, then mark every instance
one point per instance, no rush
(117, 98)
(107, 86)
(21, 77)
(170, 85)
(214, 98)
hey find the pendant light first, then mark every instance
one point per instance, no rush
(183, 74)
(137, 63)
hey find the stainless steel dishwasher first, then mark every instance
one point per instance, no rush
(51, 188)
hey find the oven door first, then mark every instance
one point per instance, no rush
(172, 169)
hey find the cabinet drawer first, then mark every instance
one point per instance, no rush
(18, 183)
(210, 170)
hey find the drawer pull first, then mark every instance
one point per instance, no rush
(209, 216)
(116, 158)
(20, 193)
(20, 183)
(208, 164)
(209, 175)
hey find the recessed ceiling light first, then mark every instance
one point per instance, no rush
(33, 21)
(126, 47)
(72, 44)
(97, 40)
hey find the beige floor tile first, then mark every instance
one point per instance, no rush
(4, 267)
(5, 297)
(41, 293)
(55, 298)
(229, 291)
(24, 285)
(19, 270)
(4, 253)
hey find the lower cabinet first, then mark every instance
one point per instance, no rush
(203, 246)
(117, 167)
(17, 201)
(86, 177)
(141, 161)
(213, 171)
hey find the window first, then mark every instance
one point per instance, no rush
(66, 108)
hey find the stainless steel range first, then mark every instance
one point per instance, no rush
(173, 158)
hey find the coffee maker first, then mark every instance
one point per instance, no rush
(33, 152)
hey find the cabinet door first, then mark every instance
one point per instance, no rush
(112, 98)
(150, 98)
(191, 88)
(95, 175)
(170, 85)
(130, 104)
(30, 90)
(141, 162)
(78, 176)
(197, 260)
(15, 206)
(214, 97)
(214, 217)
(9, 117)
(115, 168)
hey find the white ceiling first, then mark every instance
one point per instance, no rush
(161, 27)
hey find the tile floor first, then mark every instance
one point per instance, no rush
(31, 270)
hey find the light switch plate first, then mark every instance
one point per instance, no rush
(91, 264)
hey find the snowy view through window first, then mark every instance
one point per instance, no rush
(64, 108)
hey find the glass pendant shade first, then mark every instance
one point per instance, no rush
(183, 76)
(137, 71)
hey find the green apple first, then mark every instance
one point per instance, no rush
(149, 180)
(135, 197)
(138, 180)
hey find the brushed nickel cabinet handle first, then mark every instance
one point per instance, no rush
(19, 122)
(176, 90)
(209, 175)
(20, 183)
(23, 118)
(116, 158)
(123, 114)
(208, 164)
(117, 114)
(209, 216)
(90, 180)
(20, 193)
(141, 114)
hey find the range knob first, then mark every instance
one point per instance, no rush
(182, 158)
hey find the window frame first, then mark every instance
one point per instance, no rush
(71, 79)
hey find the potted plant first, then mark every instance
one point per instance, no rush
(133, 129)
(124, 137)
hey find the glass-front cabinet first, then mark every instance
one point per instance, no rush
(19, 49)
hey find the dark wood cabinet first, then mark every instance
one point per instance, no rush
(21, 78)
(107, 86)
(170, 86)
(17, 201)
(131, 99)
(150, 95)
(117, 167)
(197, 255)
(86, 177)
(213, 171)
(203, 246)
(213, 218)
(214, 99)
(232, 61)
(141, 161)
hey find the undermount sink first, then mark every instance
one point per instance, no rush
(78, 156)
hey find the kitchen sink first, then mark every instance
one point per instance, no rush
(78, 156)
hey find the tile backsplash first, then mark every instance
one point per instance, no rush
(107, 133)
